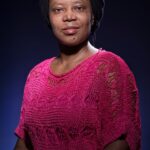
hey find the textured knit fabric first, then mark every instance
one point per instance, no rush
(86, 108)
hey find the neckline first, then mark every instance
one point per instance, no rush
(74, 68)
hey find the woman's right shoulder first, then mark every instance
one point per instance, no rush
(39, 68)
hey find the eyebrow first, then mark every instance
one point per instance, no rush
(79, 1)
(75, 2)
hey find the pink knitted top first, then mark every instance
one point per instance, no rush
(86, 108)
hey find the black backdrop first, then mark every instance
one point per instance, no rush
(25, 40)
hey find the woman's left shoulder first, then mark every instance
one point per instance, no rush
(112, 59)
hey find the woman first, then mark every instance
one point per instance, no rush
(85, 98)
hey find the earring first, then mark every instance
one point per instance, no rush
(92, 20)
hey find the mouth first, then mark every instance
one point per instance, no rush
(71, 30)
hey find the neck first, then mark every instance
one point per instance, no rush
(75, 53)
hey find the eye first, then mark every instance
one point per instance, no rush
(79, 8)
(57, 10)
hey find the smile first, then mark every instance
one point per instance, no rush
(70, 30)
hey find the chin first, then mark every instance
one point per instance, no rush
(69, 43)
(74, 41)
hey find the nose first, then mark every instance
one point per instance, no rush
(69, 16)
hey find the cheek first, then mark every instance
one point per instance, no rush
(55, 25)
(57, 33)
(87, 26)
(87, 21)
(54, 21)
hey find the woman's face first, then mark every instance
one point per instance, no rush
(70, 20)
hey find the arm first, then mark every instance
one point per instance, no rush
(118, 145)
(119, 106)
(20, 145)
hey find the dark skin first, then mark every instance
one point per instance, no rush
(73, 44)
(20, 145)
(117, 145)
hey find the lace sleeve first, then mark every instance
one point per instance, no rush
(34, 74)
(120, 104)
(20, 130)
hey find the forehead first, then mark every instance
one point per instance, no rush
(68, 1)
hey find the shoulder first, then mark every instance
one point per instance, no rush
(40, 68)
(110, 57)
(112, 61)
(112, 65)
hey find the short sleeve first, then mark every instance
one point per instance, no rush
(30, 92)
(20, 129)
(119, 104)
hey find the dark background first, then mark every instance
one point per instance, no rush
(25, 41)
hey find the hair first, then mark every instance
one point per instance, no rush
(97, 11)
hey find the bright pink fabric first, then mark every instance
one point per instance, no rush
(86, 108)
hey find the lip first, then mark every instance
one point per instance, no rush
(70, 30)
